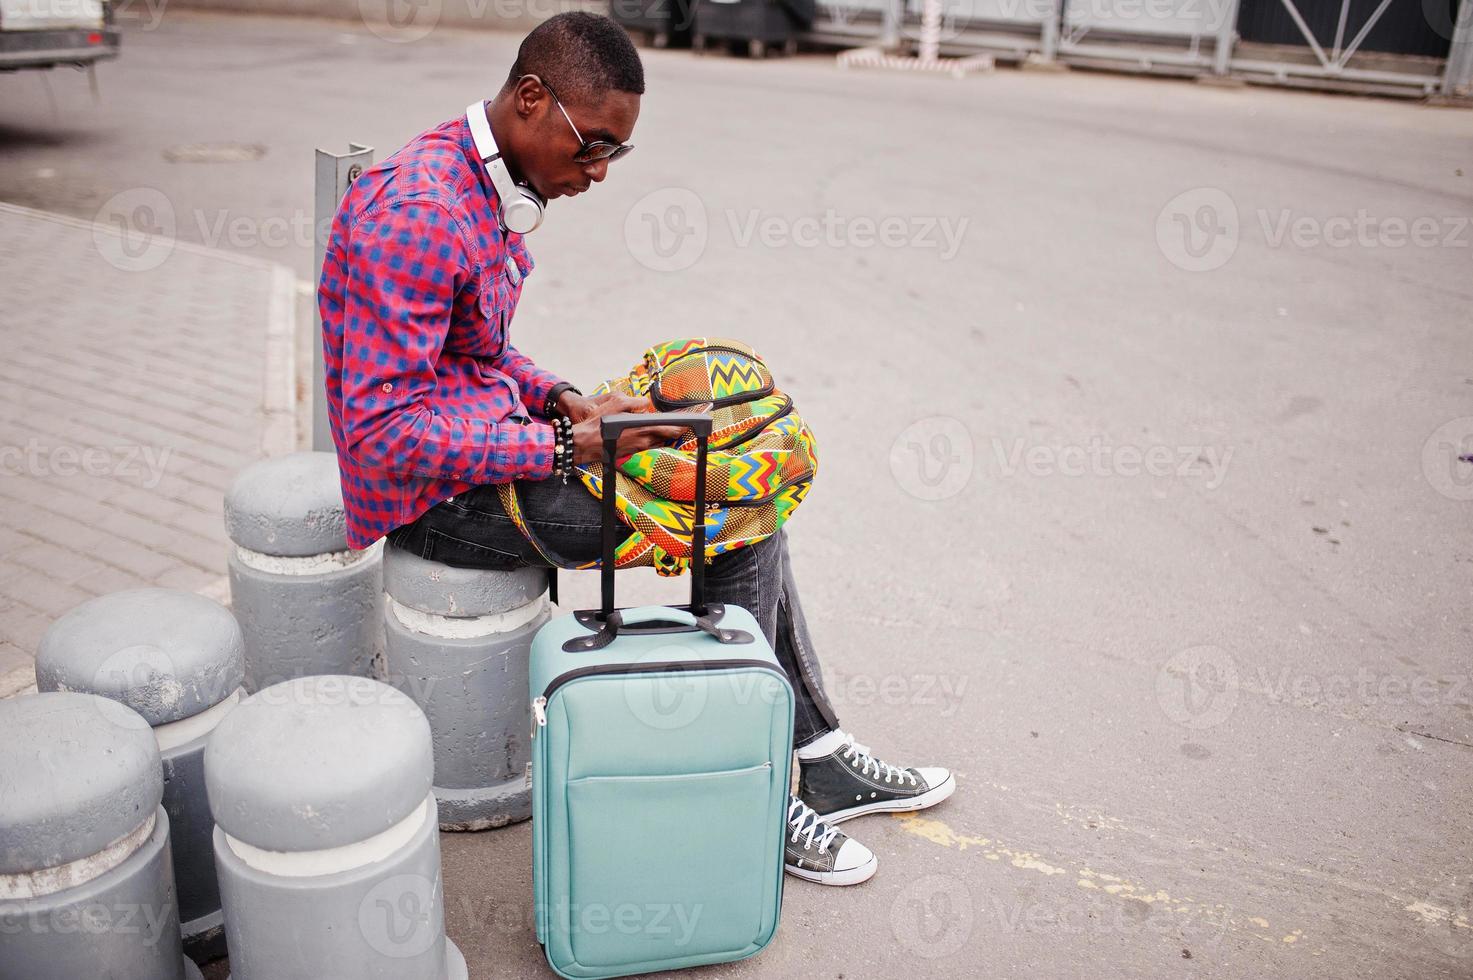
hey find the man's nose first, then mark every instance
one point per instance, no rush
(597, 170)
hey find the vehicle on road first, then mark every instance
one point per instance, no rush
(51, 33)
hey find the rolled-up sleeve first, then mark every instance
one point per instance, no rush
(405, 264)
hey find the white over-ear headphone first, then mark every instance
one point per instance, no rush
(521, 207)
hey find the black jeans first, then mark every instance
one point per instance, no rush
(472, 531)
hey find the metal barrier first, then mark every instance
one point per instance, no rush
(1457, 76)
(1191, 38)
(1332, 55)
(1014, 30)
(1183, 35)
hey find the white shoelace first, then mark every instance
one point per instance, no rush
(804, 822)
(859, 757)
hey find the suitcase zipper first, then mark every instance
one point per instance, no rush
(539, 704)
(539, 714)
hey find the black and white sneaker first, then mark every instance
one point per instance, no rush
(817, 852)
(846, 781)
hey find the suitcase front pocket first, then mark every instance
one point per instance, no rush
(667, 867)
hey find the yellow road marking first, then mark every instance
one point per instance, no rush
(1118, 886)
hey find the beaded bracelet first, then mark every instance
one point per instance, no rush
(562, 448)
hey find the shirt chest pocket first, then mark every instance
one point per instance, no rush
(479, 325)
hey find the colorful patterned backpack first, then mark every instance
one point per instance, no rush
(762, 460)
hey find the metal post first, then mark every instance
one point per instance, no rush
(335, 171)
(930, 46)
(1457, 77)
(890, 19)
(1048, 39)
(1227, 37)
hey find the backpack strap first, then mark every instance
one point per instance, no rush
(512, 504)
(630, 553)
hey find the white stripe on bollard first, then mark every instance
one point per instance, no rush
(308, 565)
(186, 730)
(48, 881)
(467, 627)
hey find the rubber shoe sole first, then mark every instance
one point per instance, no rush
(853, 876)
(929, 798)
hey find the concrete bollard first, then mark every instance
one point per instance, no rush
(175, 658)
(325, 835)
(86, 881)
(457, 641)
(306, 603)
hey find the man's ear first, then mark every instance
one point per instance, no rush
(528, 95)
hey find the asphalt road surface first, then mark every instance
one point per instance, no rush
(1139, 406)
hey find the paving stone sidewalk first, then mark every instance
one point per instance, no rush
(138, 375)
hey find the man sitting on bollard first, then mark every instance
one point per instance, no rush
(431, 406)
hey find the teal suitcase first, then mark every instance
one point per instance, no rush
(661, 754)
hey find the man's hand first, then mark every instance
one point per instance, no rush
(576, 407)
(588, 439)
(580, 408)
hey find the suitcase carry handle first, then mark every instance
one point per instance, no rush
(651, 614)
(668, 620)
(610, 426)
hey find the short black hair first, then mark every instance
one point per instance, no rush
(581, 56)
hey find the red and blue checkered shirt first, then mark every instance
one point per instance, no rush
(426, 396)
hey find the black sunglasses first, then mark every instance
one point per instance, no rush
(588, 152)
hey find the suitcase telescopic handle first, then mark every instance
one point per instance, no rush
(610, 426)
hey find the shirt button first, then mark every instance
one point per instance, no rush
(387, 387)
